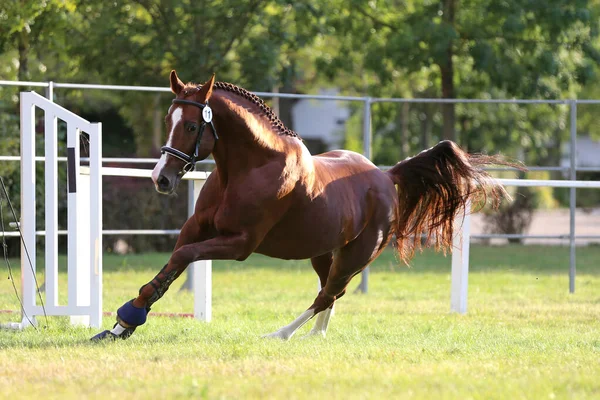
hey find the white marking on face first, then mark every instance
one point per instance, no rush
(175, 119)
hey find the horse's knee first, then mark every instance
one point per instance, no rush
(182, 256)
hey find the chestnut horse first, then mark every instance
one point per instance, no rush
(268, 195)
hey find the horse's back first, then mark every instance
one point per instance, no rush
(339, 164)
(340, 157)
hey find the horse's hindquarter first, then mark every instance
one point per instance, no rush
(348, 189)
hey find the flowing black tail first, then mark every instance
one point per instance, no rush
(433, 187)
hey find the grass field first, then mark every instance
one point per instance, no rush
(524, 336)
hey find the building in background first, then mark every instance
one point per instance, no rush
(587, 153)
(321, 123)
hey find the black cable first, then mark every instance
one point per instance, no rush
(9, 267)
(26, 252)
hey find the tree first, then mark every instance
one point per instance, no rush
(247, 42)
(33, 30)
(467, 49)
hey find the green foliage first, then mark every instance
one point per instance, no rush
(499, 50)
(9, 171)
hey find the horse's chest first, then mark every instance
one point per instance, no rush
(247, 208)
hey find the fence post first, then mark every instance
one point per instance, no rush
(51, 207)
(367, 152)
(460, 263)
(95, 226)
(572, 193)
(28, 198)
(199, 275)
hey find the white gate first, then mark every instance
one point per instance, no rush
(84, 261)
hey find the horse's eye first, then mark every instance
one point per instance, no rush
(192, 127)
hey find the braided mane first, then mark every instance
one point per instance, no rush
(276, 123)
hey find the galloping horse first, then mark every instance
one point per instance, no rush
(270, 196)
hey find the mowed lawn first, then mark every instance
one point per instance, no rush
(524, 335)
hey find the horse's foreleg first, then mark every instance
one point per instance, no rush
(218, 248)
(134, 313)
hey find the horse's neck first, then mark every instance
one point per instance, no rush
(245, 140)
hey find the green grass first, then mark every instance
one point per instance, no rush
(524, 336)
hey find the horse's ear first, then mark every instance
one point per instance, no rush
(176, 84)
(206, 90)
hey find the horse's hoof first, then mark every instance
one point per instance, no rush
(117, 332)
(104, 335)
(277, 335)
(313, 334)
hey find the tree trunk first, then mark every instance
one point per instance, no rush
(286, 105)
(157, 126)
(465, 138)
(23, 47)
(447, 71)
(403, 123)
(425, 128)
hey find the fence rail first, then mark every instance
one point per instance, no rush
(461, 244)
(572, 168)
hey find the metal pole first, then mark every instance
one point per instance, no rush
(367, 148)
(50, 91)
(189, 280)
(572, 195)
(367, 152)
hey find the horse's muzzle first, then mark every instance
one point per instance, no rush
(165, 184)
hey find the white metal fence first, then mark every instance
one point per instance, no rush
(84, 265)
(461, 243)
(572, 170)
(84, 222)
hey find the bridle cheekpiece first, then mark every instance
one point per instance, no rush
(207, 116)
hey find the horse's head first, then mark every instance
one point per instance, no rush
(191, 133)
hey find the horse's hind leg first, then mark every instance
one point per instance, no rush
(347, 262)
(322, 265)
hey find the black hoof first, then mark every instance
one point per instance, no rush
(104, 335)
(124, 333)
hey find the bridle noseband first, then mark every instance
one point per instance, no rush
(190, 161)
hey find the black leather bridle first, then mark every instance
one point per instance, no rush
(190, 161)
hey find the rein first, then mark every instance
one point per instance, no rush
(190, 161)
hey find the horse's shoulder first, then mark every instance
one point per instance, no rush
(211, 191)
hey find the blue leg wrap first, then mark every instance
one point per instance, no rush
(131, 314)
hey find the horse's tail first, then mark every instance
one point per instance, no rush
(433, 187)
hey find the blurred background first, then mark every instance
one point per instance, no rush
(409, 49)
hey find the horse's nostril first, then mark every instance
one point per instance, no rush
(162, 181)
